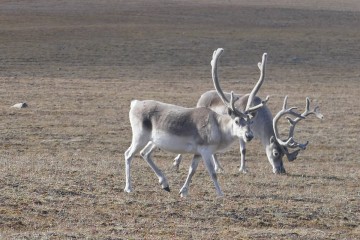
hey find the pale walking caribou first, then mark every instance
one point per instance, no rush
(199, 131)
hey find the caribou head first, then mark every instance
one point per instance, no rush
(246, 115)
(283, 146)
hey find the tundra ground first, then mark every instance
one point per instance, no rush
(78, 65)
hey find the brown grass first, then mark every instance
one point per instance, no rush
(79, 65)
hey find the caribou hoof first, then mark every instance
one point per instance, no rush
(183, 192)
(219, 170)
(167, 189)
(243, 170)
(221, 195)
(164, 184)
(280, 171)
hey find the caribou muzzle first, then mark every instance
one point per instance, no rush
(249, 136)
(279, 170)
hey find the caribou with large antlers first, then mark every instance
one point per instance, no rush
(263, 125)
(199, 131)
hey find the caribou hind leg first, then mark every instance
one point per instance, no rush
(218, 168)
(129, 154)
(139, 141)
(146, 154)
(177, 161)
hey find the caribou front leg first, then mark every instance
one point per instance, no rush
(192, 169)
(242, 168)
(210, 168)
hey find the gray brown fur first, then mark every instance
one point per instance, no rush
(176, 120)
(199, 131)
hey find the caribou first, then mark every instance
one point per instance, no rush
(264, 126)
(199, 131)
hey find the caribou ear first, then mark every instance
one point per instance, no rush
(252, 114)
(292, 156)
(272, 139)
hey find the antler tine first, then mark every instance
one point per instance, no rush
(307, 107)
(307, 111)
(214, 63)
(255, 108)
(317, 113)
(316, 110)
(232, 105)
(257, 86)
(285, 102)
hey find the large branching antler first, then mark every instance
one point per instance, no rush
(290, 142)
(230, 104)
(255, 90)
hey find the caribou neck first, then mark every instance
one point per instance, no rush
(228, 134)
(262, 126)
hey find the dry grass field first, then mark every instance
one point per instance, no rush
(78, 64)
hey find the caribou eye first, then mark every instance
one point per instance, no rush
(240, 121)
(276, 153)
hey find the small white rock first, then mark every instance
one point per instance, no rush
(20, 105)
